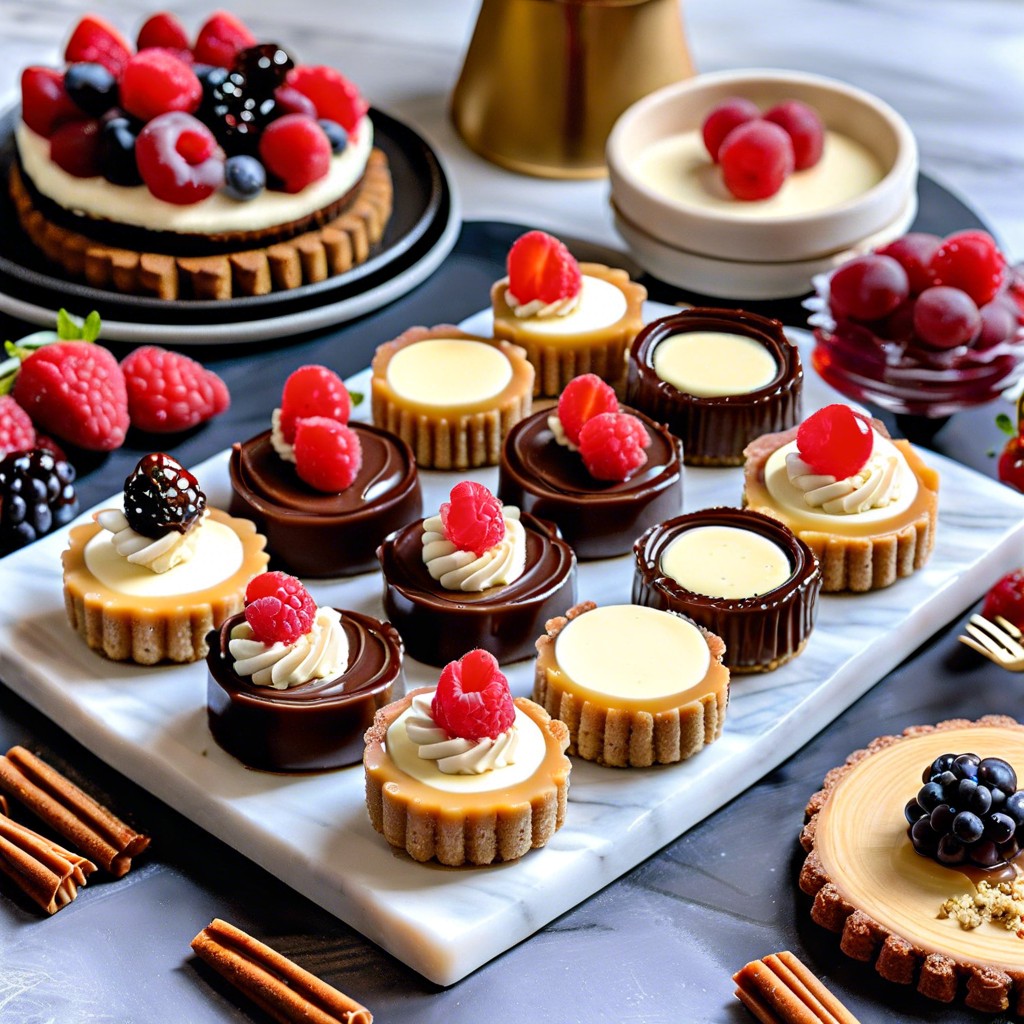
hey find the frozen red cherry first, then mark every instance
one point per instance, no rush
(334, 96)
(179, 158)
(328, 454)
(472, 700)
(756, 159)
(278, 608)
(541, 268)
(583, 398)
(805, 128)
(155, 82)
(835, 441)
(971, 261)
(45, 103)
(868, 288)
(946, 317)
(313, 390)
(914, 252)
(296, 150)
(472, 518)
(612, 446)
(727, 115)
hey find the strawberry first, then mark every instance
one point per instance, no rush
(1006, 598)
(98, 42)
(168, 392)
(16, 431)
(220, 39)
(45, 103)
(541, 268)
(334, 96)
(164, 30)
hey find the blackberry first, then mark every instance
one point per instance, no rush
(162, 496)
(36, 496)
(234, 114)
(265, 67)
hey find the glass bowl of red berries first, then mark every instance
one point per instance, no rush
(924, 326)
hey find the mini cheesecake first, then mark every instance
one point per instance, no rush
(742, 575)
(451, 396)
(717, 378)
(636, 686)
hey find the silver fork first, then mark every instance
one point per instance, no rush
(998, 641)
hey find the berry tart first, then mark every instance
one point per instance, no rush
(476, 574)
(292, 687)
(636, 686)
(324, 491)
(210, 171)
(451, 396)
(147, 584)
(923, 879)
(570, 318)
(717, 378)
(865, 505)
(603, 474)
(466, 774)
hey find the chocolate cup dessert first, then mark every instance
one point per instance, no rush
(597, 518)
(715, 429)
(760, 633)
(316, 534)
(439, 626)
(312, 726)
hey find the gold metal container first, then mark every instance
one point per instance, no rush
(544, 80)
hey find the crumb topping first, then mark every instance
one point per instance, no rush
(1002, 904)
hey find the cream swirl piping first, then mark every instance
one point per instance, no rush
(874, 486)
(558, 431)
(284, 450)
(457, 756)
(318, 654)
(158, 554)
(455, 569)
(542, 310)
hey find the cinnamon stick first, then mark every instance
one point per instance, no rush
(69, 811)
(46, 872)
(781, 989)
(287, 992)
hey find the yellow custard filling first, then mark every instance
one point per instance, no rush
(714, 363)
(448, 372)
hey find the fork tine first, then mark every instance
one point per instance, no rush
(1008, 627)
(986, 644)
(975, 646)
(1000, 636)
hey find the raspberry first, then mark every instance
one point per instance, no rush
(45, 103)
(612, 445)
(541, 267)
(756, 159)
(16, 431)
(328, 454)
(297, 150)
(1006, 598)
(98, 42)
(75, 148)
(472, 699)
(179, 158)
(868, 288)
(835, 441)
(155, 81)
(582, 398)
(168, 392)
(972, 262)
(727, 115)
(472, 518)
(163, 30)
(313, 390)
(335, 97)
(946, 317)
(75, 389)
(804, 128)
(278, 608)
(914, 252)
(220, 39)
(161, 496)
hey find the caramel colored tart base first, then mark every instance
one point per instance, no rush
(559, 358)
(336, 239)
(629, 732)
(869, 884)
(148, 630)
(466, 828)
(460, 435)
(853, 559)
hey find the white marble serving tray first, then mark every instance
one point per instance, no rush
(313, 831)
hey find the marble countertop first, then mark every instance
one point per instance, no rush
(656, 946)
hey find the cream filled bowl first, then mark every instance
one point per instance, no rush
(664, 183)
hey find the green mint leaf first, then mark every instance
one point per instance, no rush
(356, 396)
(91, 327)
(67, 328)
(1006, 425)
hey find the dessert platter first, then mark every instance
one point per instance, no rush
(312, 830)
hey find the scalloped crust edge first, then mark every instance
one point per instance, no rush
(938, 977)
(630, 739)
(452, 838)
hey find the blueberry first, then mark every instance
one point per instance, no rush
(968, 827)
(999, 827)
(998, 799)
(91, 87)
(244, 177)
(913, 811)
(997, 774)
(941, 764)
(966, 766)
(1014, 807)
(980, 800)
(117, 152)
(338, 138)
(942, 818)
(964, 789)
(929, 796)
(951, 851)
(946, 778)
(923, 836)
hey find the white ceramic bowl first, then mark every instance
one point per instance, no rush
(732, 234)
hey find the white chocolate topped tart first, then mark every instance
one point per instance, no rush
(636, 686)
(148, 584)
(717, 378)
(951, 927)
(866, 505)
(742, 575)
(570, 318)
(451, 396)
